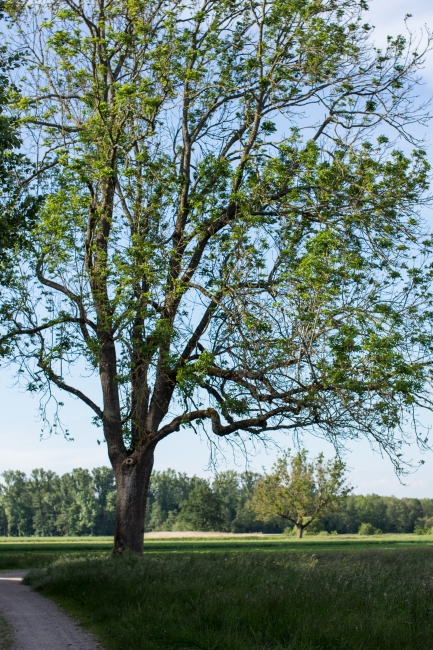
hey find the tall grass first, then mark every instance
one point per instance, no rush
(361, 600)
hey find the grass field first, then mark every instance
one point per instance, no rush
(268, 593)
(32, 552)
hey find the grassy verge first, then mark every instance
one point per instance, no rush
(6, 639)
(363, 600)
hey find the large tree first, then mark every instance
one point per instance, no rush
(228, 231)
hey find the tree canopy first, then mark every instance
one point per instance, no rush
(83, 503)
(45, 504)
(230, 236)
(18, 207)
(301, 491)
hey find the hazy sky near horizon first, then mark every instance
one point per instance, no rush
(20, 444)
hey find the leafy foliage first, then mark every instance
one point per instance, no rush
(83, 503)
(299, 249)
(45, 505)
(301, 491)
(202, 511)
(388, 514)
(18, 207)
(218, 257)
(368, 529)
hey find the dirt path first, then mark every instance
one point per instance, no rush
(37, 623)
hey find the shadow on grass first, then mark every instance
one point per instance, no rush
(363, 600)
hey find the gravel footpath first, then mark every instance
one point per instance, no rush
(37, 623)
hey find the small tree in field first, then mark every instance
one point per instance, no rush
(300, 491)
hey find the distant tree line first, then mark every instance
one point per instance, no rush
(386, 514)
(45, 504)
(82, 502)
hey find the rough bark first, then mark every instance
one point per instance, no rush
(132, 481)
(299, 531)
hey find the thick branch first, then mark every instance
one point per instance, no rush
(259, 422)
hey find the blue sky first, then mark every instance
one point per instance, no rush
(21, 446)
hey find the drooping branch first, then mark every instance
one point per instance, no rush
(51, 375)
(83, 320)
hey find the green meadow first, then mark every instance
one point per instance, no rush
(33, 552)
(255, 593)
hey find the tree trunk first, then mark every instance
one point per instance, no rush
(299, 531)
(132, 482)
